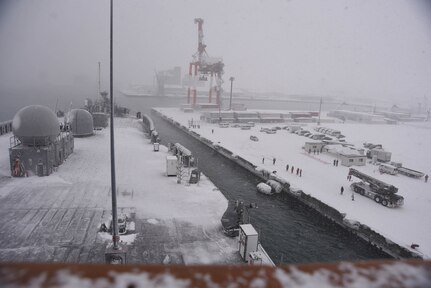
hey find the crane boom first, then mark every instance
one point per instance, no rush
(377, 184)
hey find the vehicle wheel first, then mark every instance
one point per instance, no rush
(377, 199)
(384, 202)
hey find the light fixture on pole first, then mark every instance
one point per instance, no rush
(231, 85)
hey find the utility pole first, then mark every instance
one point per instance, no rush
(116, 255)
(99, 79)
(231, 85)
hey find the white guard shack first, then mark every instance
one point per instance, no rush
(348, 156)
(351, 159)
(171, 165)
(312, 146)
(248, 241)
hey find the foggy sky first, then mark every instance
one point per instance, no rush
(368, 49)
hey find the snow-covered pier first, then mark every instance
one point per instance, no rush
(392, 230)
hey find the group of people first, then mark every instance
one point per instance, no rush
(335, 163)
(292, 170)
(315, 151)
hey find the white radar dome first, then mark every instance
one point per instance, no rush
(35, 125)
(81, 122)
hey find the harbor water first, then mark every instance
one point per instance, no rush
(289, 231)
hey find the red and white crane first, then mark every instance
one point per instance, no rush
(203, 66)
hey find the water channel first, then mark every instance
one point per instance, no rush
(289, 231)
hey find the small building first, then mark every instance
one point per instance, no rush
(348, 156)
(363, 117)
(268, 117)
(38, 146)
(246, 116)
(216, 116)
(352, 159)
(311, 146)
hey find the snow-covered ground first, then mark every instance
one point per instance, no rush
(177, 221)
(409, 143)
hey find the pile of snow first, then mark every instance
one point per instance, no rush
(264, 188)
(275, 186)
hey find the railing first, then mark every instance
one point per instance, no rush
(5, 127)
(382, 273)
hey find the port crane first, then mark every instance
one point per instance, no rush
(376, 189)
(203, 66)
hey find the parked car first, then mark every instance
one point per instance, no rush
(317, 136)
(254, 138)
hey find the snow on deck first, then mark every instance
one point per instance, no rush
(56, 218)
(409, 144)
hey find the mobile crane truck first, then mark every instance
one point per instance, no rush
(375, 189)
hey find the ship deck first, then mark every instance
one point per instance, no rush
(57, 218)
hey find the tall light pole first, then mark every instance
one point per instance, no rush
(99, 80)
(231, 85)
(115, 255)
(115, 237)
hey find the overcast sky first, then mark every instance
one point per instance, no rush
(356, 48)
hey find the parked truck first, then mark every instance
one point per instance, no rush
(394, 168)
(379, 154)
(375, 189)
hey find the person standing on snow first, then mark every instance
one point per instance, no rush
(426, 178)
(273, 161)
(287, 167)
(341, 190)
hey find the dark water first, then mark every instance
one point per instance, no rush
(289, 231)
